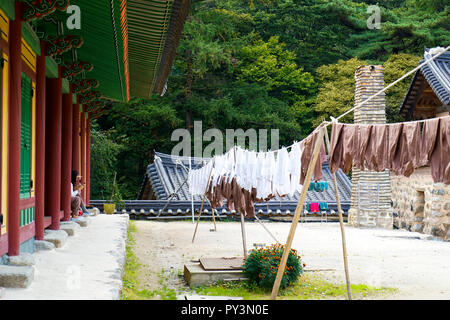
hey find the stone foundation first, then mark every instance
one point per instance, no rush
(420, 205)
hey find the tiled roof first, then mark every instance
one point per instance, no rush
(437, 74)
(167, 173)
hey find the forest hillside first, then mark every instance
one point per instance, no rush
(283, 64)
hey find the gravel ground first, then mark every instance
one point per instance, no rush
(408, 261)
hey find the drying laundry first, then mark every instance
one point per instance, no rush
(295, 168)
(243, 177)
(307, 153)
(314, 207)
(399, 147)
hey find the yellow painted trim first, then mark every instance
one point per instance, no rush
(5, 115)
(4, 25)
(33, 138)
(28, 55)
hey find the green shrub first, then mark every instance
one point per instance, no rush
(261, 266)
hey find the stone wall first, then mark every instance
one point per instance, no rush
(420, 205)
(373, 209)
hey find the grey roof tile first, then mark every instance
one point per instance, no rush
(165, 176)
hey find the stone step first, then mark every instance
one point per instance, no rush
(22, 260)
(70, 227)
(196, 276)
(40, 245)
(16, 277)
(94, 211)
(82, 221)
(57, 237)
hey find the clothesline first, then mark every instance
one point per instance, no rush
(327, 123)
(384, 124)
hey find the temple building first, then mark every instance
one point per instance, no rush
(419, 204)
(62, 63)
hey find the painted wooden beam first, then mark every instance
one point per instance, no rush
(15, 88)
(40, 146)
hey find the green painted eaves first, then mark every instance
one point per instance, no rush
(65, 86)
(99, 45)
(51, 70)
(8, 8)
(31, 38)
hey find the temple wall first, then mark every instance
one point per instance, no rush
(420, 205)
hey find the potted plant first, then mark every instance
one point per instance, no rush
(116, 202)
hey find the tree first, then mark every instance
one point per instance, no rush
(337, 89)
(104, 152)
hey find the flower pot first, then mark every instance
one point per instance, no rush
(109, 208)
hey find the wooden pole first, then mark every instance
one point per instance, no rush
(341, 223)
(40, 144)
(66, 153)
(244, 240)
(214, 219)
(203, 201)
(298, 210)
(14, 132)
(53, 140)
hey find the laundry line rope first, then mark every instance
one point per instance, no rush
(327, 123)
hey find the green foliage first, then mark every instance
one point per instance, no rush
(270, 64)
(262, 264)
(104, 153)
(337, 89)
(310, 286)
(395, 67)
(132, 286)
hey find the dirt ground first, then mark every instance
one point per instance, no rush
(410, 262)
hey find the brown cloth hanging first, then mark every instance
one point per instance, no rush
(308, 148)
(377, 156)
(237, 198)
(440, 158)
(395, 131)
(399, 147)
(428, 141)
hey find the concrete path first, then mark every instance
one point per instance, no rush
(88, 267)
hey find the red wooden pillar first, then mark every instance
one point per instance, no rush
(83, 152)
(76, 137)
(40, 144)
(53, 150)
(15, 89)
(88, 160)
(66, 153)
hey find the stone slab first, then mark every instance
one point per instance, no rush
(83, 221)
(70, 227)
(94, 211)
(22, 260)
(196, 276)
(80, 270)
(40, 245)
(57, 237)
(16, 277)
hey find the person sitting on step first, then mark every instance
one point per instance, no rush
(76, 200)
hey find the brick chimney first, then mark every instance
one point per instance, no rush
(371, 191)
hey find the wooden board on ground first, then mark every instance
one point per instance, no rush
(234, 263)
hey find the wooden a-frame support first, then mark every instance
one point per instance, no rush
(298, 210)
(203, 202)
